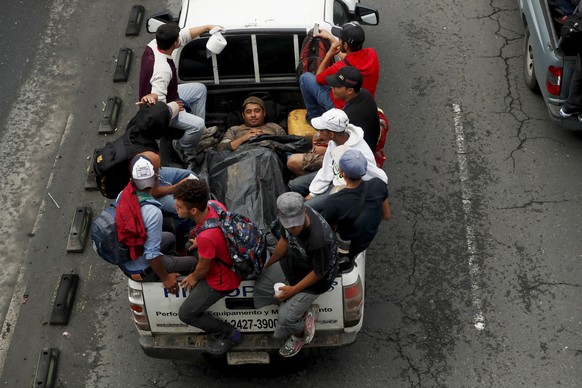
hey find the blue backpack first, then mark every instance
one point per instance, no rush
(246, 243)
(104, 237)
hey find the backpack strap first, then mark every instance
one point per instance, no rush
(361, 203)
(347, 62)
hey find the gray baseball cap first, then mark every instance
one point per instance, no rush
(291, 210)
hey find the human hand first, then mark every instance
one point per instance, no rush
(171, 283)
(148, 99)
(194, 244)
(189, 282)
(286, 293)
(307, 198)
(325, 35)
(334, 49)
(319, 150)
(180, 104)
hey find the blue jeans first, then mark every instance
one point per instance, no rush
(168, 176)
(194, 94)
(316, 97)
(301, 185)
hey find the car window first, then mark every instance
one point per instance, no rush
(276, 58)
(340, 16)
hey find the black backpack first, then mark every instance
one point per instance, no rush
(111, 162)
(571, 32)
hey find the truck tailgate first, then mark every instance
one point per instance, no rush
(236, 308)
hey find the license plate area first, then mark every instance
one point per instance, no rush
(241, 358)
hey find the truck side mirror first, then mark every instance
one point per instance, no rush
(367, 15)
(158, 19)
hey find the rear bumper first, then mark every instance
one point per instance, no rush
(184, 346)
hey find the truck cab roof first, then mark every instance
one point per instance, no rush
(255, 14)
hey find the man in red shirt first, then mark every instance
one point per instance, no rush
(213, 277)
(316, 92)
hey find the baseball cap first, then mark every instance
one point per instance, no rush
(334, 120)
(291, 209)
(351, 33)
(254, 100)
(353, 164)
(346, 76)
(142, 172)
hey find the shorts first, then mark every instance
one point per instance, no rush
(312, 162)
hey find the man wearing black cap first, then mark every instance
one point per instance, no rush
(254, 125)
(314, 88)
(356, 211)
(359, 103)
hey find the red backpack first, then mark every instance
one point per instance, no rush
(313, 51)
(379, 151)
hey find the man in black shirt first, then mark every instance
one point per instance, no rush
(356, 211)
(360, 106)
(305, 260)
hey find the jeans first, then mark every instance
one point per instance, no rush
(193, 311)
(291, 312)
(574, 102)
(301, 185)
(168, 176)
(316, 97)
(194, 94)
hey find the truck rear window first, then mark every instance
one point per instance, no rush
(277, 56)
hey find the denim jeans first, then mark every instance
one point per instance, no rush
(168, 176)
(316, 97)
(301, 183)
(574, 101)
(194, 94)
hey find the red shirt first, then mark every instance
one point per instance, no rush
(212, 244)
(365, 60)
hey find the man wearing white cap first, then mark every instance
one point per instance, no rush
(335, 127)
(138, 219)
(356, 211)
(305, 260)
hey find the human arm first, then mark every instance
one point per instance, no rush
(169, 280)
(334, 50)
(288, 291)
(324, 176)
(386, 213)
(159, 191)
(199, 273)
(280, 251)
(197, 31)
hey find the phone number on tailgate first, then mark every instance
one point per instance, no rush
(254, 324)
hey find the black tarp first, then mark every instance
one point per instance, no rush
(249, 179)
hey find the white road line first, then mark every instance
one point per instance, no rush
(18, 296)
(466, 195)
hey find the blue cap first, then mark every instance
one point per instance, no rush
(353, 164)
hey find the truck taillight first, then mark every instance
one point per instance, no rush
(353, 303)
(554, 80)
(137, 308)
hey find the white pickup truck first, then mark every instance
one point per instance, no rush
(262, 54)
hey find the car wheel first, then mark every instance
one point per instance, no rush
(529, 74)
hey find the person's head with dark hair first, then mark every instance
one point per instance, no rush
(191, 198)
(167, 35)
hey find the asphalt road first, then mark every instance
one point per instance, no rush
(474, 282)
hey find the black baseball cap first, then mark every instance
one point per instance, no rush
(351, 33)
(347, 76)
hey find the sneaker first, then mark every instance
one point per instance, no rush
(178, 149)
(209, 132)
(220, 346)
(310, 318)
(566, 115)
(292, 346)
